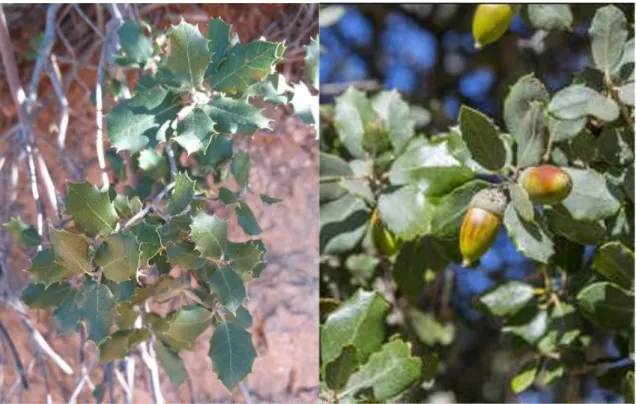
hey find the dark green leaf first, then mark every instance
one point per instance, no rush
(45, 270)
(184, 326)
(449, 210)
(529, 238)
(482, 138)
(137, 47)
(241, 164)
(194, 131)
(338, 371)
(24, 234)
(182, 194)
(229, 288)
(219, 36)
(247, 220)
(39, 296)
(268, 200)
(232, 353)
(236, 116)
(209, 234)
(607, 305)
(97, 311)
(615, 262)
(171, 363)
(118, 257)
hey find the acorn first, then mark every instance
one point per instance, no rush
(481, 224)
(383, 239)
(490, 22)
(546, 184)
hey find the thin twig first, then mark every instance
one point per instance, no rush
(45, 49)
(83, 379)
(44, 346)
(147, 209)
(54, 76)
(130, 377)
(16, 356)
(99, 137)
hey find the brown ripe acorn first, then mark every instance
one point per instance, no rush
(481, 224)
(546, 184)
(383, 239)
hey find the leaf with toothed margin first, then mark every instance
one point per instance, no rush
(194, 131)
(189, 56)
(117, 345)
(219, 40)
(232, 353)
(236, 116)
(245, 257)
(174, 230)
(228, 287)
(24, 234)
(71, 251)
(244, 65)
(148, 239)
(183, 254)
(91, 208)
(141, 120)
(153, 164)
(182, 194)
(118, 257)
(209, 234)
(171, 362)
(241, 164)
(45, 270)
(247, 220)
(39, 296)
(184, 326)
(69, 312)
(97, 311)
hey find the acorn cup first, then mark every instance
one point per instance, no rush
(481, 224)
(383, 239)
(546, 184)
(490, 22)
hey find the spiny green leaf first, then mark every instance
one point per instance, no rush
(40, 296)
(228, 197)
(182, 194)
(91, 208)
(185, 325)
(209, 234)
(71, 251)
(219, 36)
(174, 230)
(229, 288)
(236, 116)
(148, 239)
(219, 151)
(171, 362)
(117, 345)
(247, 220)
(143, 119)
(244, 257)
(183, 254)
(97, 311)
(388, 372)
(119, 259)
(45, 270)
(122, 291)
(24, 234)
(194, 131)
(232, 353)
(246, 64)
(241, 164)
(137, 47)
(153, 164)
(69, 312)
(189, 56)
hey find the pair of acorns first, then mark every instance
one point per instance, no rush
(545, 185)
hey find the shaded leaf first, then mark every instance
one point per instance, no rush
(229, 288)
(117, 345)
(184, 326)
(171, 363)
(607, 305)
(247, 220)
(529, 238)
(182, 195)
(45, 270)
(97, 311)
(118, 257)
(482, 138)
(241, 164)
(194, 131)
(24, 234)
(615, 262)
(39, 296)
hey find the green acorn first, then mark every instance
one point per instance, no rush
(546, 184)
(490, 22)
(383, 239)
